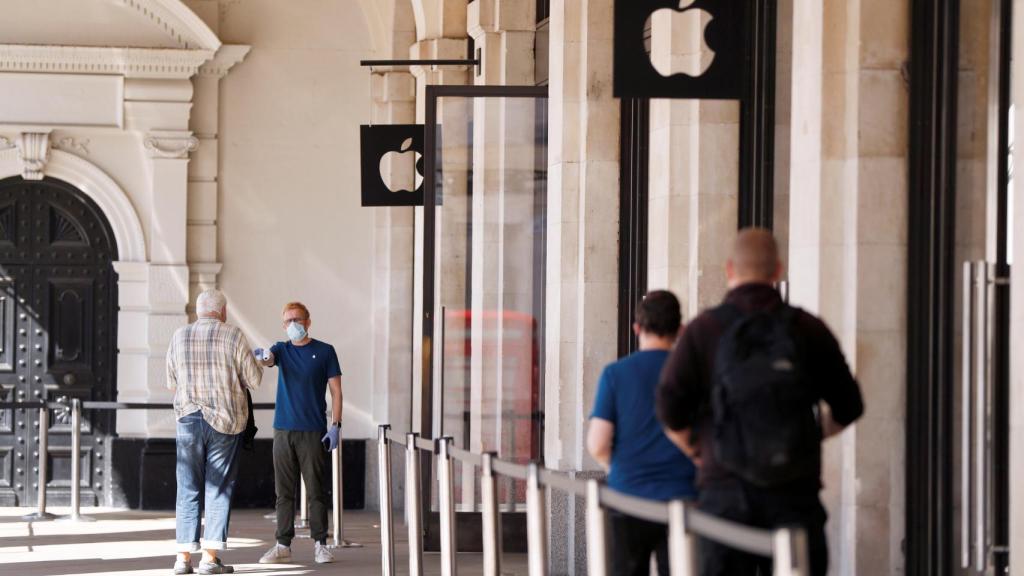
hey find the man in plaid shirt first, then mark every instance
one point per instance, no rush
(209, 368)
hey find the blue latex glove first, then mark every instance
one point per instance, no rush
(330, 440)
(261, 354)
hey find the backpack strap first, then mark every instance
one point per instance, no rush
(726, 314)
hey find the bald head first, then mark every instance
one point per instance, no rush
(755, 258)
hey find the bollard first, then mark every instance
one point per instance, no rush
(790, 552)
(491, 516)
(42, 459)
(536, 525)
(338, 501)
(446, 502)
(387, 540)
(76, 464)
(682, 544)
(597, 542)
(413, 503)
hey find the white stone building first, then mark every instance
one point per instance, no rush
(165, 146)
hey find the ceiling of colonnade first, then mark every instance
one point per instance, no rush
(118, 23)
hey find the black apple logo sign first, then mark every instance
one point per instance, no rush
(683, 17)
(402, 170)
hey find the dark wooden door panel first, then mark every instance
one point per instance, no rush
(57, 333)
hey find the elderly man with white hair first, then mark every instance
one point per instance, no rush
(209, 368)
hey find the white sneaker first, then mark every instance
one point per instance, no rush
(277, 554)
(322, 554)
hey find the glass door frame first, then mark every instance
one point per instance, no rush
(430, 186)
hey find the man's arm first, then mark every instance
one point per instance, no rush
(172, 374)
(679, 394)
(336, 399)
(600, 436)
(839, 389)
(249, 371)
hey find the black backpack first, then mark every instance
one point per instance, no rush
(764, 425)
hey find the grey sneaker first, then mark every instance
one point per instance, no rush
(215, 567)
(322, 554)
(277, 554)
(181, 567)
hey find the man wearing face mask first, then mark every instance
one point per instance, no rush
(306, 368)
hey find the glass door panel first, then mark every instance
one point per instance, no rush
(489, 180)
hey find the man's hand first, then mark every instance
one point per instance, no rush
(264, 356)
(681, 438)
(330, 439)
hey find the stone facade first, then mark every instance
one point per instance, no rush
(218, 135)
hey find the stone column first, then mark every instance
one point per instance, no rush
(582, 263)
(158, 110)
(203, 186)
(394, 102)
(848, 158)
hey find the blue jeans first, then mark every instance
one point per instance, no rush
(205, 457)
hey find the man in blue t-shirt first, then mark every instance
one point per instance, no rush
(302, 440)
(626, 437)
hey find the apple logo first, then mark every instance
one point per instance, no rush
(401, 170)
(671, 27)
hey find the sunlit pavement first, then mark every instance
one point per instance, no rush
(142, 543)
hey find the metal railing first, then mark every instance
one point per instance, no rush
(73, 408)
(787, 546)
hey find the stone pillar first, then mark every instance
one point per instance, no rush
(848, 158)
(158, 110)
(582, 264)
(203, 185)
(394, 102)
(694, 175)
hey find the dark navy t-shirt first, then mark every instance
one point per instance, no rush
(645, 463)
(302, 377)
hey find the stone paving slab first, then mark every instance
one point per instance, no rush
(123, 542)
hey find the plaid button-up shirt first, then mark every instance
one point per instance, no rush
(209, 366)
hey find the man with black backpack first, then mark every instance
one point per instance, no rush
(741, 394)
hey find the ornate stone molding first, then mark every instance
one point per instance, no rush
(178, 21)
(78, 146)
(6, 143)
(170, 144)
(129, 62)
(34, 152)
(224, 59)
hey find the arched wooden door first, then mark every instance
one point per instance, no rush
(58, 322)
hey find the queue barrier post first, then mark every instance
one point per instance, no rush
(76, 465)
(491, 516)
(338, 500)
(536, 524)
(413, 503)
(682, 543)
(790, 552)
(387, 538)
(303, 520)
(597, 542)
(42, 459)
(446, 501)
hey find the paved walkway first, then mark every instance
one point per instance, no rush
(141, 544)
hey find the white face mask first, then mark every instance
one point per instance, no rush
(296, 332)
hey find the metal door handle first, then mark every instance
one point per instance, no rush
(966, 427)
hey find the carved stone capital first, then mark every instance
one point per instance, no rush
(34, 152)
(170, 144)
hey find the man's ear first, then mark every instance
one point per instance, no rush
(636, 329)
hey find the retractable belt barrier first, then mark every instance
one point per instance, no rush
(73, 409)
(786, 546)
